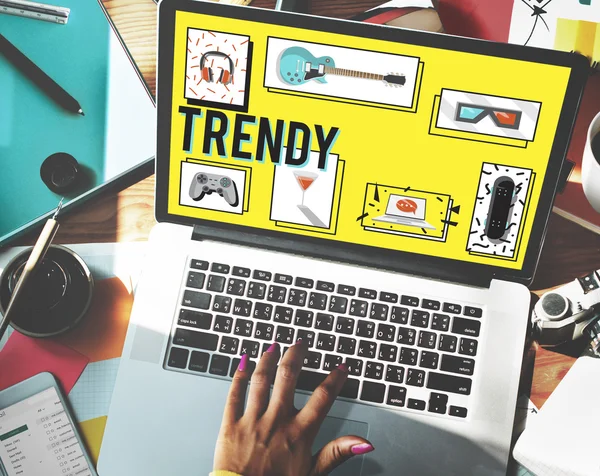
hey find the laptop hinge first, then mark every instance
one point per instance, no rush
(424, 267)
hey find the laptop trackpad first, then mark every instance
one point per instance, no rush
(333, 428)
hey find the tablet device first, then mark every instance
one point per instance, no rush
(37, 432)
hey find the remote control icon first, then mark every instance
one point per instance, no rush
(205, 184)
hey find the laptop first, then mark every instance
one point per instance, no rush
(431, 322)
(400, 208)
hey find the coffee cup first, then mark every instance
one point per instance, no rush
(590, 167)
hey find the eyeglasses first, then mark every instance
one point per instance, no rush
(504, 118)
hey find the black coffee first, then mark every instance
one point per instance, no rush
(596, 147)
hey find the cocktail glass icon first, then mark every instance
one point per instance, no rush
(305, 180)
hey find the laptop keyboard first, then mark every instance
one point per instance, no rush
(409, 352)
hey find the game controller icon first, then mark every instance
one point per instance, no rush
(205, 184)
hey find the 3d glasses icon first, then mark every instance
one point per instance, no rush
(472, 113)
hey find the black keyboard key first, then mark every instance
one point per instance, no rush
(241, 272)
(347, 290)
(427, 340)
(263, 311)
(283, 314)
(312, 360)
(306, 336)
(223, 324)
(449, 383)
(394, 374)
(437, 403)
(324, 322)
(199, 320)
(276, 294)
(297, 297)
(447, 343)
(195, 339)
(199, 264)
(199, 361)
(338, 304)
(459, 412)
(304, 318)
(386, 332)
(367, 293)
(350, 388)
(452, 308)
(264, 331)
(379, 311)
(262, 275)
(372, 392)
(406, 335)
(415, 404)
(242, 307)
(409, 301)
(331, 361)
(429, 360)
(250, 347)
(374, 370)
(235, 363)
(388, 353)
(309, 380)
(431, 304)
(243, 328)
(178, 358)
(265, 347)
(388, 297)
(283, 278)
(415, 377)
(359, 308)
(196, 299)
(472, 311)
(419, 319)
(229, 345)
(222, 304)
(396, 396)
(325, 286)
(236, 286)
(219, 365)
(467, 347)
(326, 342)
(220, 268)
(440, 322)
(304, 283)
(317, 301)
(467, 327)
(457, 365)
(365, 329)
(408, 356)
(285, 335)
(355, 366)
(195, 280)
(399, 315)
(215, 283)
(367, 349)
(257, 290)
(346, 345)
(344, 325)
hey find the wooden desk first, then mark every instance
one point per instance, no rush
(569, 251)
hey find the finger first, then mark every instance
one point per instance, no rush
(260, 383)
(234, 406)
(314, 412)
(282, 398)
(336, 452)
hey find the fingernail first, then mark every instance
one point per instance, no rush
(299, 341)
(362, 449)
(343, 367)
(273, 347)
(243, 363)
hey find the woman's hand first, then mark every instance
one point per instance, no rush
(271, 437)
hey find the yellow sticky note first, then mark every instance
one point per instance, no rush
(92, 432)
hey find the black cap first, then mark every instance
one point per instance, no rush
(60, 172)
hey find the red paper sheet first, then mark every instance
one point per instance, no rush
(23, 357)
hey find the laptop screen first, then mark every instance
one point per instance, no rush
(290, 131)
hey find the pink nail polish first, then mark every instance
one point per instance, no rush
(362, 449)
(343, 367)
(243, 363)
(273, 347)
(299, 341)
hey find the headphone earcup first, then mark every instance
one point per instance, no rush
(207, 75)
(225, 77)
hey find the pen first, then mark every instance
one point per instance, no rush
(38, 77)
(37, 255)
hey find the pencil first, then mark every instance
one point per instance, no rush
(31, 71)
(37, 255)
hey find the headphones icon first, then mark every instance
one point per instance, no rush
(207, 74)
